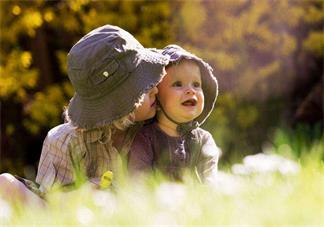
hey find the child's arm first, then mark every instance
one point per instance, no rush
(208, 159)
(140, 158)
(16, 189)
(54, 165)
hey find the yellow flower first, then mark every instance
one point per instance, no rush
(16, 10)
(106, 179)
(26, 59)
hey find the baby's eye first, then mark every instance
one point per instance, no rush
(177, 84)
(196, 84)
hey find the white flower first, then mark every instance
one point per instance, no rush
(105, 200)
(5, 211)
(171, 195)
(266, 163)
(84, 215)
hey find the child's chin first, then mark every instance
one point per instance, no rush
(191, 115)
(188, 118)
(152, 114)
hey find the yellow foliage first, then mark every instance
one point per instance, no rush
(32, 20)
(26, 59)
(16, 75)
(7, 87)
(76, 5)
(21, 94)
(315, 43)
(295, 14)
(71, 24)
(90, 18)
(234, 31)
(16, 10)
(193, 15)
(247, 116)
(68, 89)
(62, 58)
(267, 40)
(244, 38)
(10, 129)
(225, 61)
(251, 18)
(313, 14)
(45, 108)
(268, 70)
(48, 16)
(288, 44)
(287, 13)
(252, 81)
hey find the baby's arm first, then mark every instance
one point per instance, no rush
(208, 160)
(140, 158)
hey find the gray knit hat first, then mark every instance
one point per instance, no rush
(209, 82)
(110, 70)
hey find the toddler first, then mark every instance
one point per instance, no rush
(175, 142)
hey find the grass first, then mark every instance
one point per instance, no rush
(261, 199)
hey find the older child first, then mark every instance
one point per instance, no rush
(115, 80)
(175, 142)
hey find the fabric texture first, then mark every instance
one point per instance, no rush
(106, 65)
(67, 150)
(152, 149)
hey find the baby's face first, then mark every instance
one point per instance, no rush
(147, 109)
(180, 92)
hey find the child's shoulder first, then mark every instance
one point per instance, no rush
(148, 129)
(202, 133)
(61, 132)
(206, 140)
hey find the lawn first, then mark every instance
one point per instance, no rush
(259, 198)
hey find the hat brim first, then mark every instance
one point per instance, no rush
(210, 88)
(85, 113)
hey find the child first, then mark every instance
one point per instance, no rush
(115, 80)
(175, 142)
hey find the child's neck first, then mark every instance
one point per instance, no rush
(167, 126)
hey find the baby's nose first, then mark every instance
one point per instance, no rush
(190, 90)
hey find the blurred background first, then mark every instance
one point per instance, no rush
(267, 56)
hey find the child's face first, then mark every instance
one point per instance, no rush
(180, 92)
(147, 109)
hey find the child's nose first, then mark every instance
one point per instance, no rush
(190, 90)
(154, 91)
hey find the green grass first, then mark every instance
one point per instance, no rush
(269, 199)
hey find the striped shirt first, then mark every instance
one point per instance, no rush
(67, 150)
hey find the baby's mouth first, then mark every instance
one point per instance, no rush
(190, 102)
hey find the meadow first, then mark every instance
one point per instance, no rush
(266, 197)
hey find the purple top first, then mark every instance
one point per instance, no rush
(152, 149)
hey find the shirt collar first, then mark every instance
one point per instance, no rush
(94, 135)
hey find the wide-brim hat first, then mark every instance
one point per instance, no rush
(110, 71)
(209, 81)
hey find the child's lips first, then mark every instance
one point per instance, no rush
(190, 102)
(153, 104)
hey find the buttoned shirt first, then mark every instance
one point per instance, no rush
(153, 149)
(68, 152)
